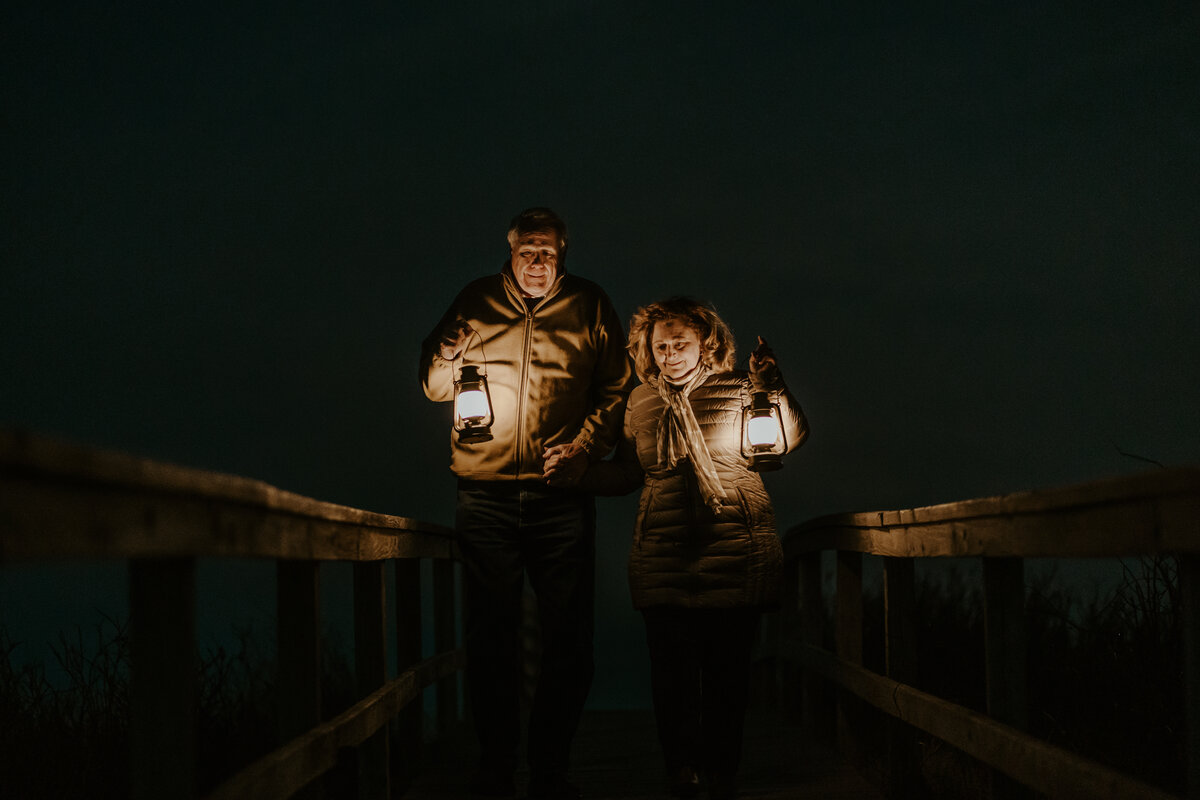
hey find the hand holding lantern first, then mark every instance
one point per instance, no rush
(762, 361)
(763, 439)
(455, 340)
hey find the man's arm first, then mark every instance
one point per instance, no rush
(438, 352)
(612, 380)
(620, 474)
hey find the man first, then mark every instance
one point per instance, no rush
(553, 351)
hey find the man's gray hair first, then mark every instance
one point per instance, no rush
(534, 220)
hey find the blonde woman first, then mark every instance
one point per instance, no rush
(705, 559)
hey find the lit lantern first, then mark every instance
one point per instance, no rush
(763, 441)
(472, 407)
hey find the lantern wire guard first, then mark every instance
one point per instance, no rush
(473, 415)
(763, 439)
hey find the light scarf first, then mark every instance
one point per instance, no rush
(679, 436)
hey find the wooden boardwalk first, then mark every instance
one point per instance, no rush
(616, 757)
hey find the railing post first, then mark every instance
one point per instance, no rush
(1005, 652)
(406, 756)
(162, 608)
(298, 644)
(1189, 595)
(812, 624)
(1005, 640)
(900, 655)
(443, 637)
(849, 639)
(783, 689)
(370, 668)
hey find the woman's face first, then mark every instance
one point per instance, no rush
(676, 348)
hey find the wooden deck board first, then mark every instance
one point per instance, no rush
(616, 757)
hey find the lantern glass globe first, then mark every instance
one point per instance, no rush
(762, 431)
(472, 404)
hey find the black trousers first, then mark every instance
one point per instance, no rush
(505, 530)
(700, 683)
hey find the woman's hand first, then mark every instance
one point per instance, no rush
(564, 464)
(762, 359)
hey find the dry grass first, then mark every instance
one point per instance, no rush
(1105, 681)
(69, 738)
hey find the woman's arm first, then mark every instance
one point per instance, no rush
(766, 377)
(618, 475)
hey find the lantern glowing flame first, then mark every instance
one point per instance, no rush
(763, 440)
(762, 431)
(472, 407)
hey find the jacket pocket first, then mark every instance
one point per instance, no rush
(747, 511)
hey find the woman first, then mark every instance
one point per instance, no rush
(706, 558)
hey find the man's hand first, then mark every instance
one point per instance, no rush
(564, 464)
(454, 341)
(762, 359)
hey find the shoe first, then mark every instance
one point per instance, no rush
(488, 782)
(552, 788)
(684, 782)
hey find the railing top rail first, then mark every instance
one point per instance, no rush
(64, 500)
(1140, 514)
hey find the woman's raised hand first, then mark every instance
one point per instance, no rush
(762, 359)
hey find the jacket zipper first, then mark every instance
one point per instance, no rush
(523, 394)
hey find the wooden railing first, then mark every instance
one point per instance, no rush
(1156, 513)
(64, 502)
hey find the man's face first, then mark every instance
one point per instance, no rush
(676, 348)
(535, 262)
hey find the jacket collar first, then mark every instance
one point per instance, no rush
(518, 297)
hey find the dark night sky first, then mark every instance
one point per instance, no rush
(971, 234)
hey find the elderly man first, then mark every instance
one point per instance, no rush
(553, 351)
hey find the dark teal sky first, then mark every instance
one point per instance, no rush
(970, 234)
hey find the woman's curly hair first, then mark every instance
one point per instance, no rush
(716, 340)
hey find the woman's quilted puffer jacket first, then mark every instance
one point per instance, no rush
(683, 554)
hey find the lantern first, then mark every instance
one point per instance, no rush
(763, 441)
(472, 407)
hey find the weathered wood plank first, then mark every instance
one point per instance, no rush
(283, 772)
(44, 520)
(63, 501)
(1005, 642)
(27, 455)
(848, 613)
(900, 664)
(1135, 515)
(1005, 649)
(1032, 762)
(443, 638)
(298, 631)
(616, 756)
(298, 634)
(1101, 531)
(370, 668)
(848, 638)
(406, 752)
(1178, 481)
(812, 622)
(162, 692)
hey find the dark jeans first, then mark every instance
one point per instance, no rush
(700, 683)
(506, 529)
